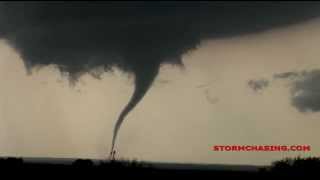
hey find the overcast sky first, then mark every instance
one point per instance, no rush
(201, 74)
(228, 93)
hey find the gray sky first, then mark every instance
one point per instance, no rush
(185, 112)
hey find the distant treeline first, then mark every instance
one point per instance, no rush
(288, 167)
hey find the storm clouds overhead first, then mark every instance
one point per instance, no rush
(139, 38)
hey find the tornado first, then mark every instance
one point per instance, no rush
(142, 83)
(136, 38)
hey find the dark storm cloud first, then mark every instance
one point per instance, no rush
(306, 92)
(78, 37)
(135, 37)
(259, 84)
(304, 89)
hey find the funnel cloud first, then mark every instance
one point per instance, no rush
(137, 38)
